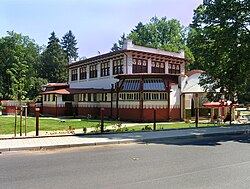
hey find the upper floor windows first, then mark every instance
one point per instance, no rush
(83, 73)
(117, 66)
(174, 68)
(158, 67)
(140, 66)
(105, 69)
(74, 75)
(93, 71)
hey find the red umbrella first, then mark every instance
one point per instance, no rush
(217, 105)
(212, 104)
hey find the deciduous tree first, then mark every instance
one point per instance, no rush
(219, 39)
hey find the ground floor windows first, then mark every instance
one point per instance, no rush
(68, 97)
(155, 96)
(82, 97)
(129, 96)
(150, 96)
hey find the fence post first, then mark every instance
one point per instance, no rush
(15, 122)
(102, 122)
(37, 121)
(21, 121)
(154, 119)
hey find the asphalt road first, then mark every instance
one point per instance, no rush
(215, 162)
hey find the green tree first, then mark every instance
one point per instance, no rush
(119, 45)
(19, 60)
(54, 61)
(69, 43)
(162, 34)
(219, 39)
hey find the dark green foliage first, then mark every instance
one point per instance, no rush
(69, 45)
(219, 39)
(162, 34)
(19, 62)
(120, 43)
(54, 61)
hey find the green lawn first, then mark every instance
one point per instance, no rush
(46, 124)
(56, 124)
(169, 126)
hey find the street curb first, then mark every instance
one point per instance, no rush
(127, 141)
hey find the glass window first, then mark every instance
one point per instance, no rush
(74, 75)
(155, 96)
(94, 97)
(158, 67)
(173, 68)
(82, 97)
(105, 69)
(140, 66)
(89, 97)
(93, 71)
(117, 66)
(68, 97)
(83, 73)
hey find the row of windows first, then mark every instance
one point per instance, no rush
(139, 66)
(52, 97)
(174, 68)
(49, 97)
(101, 97)
(105, 70)
(146, 96)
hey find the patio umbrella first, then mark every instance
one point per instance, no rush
(212, 104)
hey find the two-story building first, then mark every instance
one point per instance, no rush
(128, 84)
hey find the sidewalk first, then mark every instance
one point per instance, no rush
(115, 138)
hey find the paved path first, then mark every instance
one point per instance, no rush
(114, 138)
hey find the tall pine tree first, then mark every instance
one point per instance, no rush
(54, 62)
(69, 43)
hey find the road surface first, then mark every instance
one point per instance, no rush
(215, 162)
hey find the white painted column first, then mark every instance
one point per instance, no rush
(70, 75)
(182, 68)
(129, 63)
(111, 68)
(98, 67)
(78, 74)
(149, 65)
(166, 67)
(87, 70)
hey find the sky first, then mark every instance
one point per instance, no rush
(96, 24)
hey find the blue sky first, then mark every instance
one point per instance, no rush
(97, 24)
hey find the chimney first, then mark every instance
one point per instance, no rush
(127, 44)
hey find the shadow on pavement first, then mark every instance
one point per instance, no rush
(204, 141)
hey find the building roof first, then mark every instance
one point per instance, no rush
(76, 91)
(193, 72)
(191, 83)
(157, 52)
(56, 85)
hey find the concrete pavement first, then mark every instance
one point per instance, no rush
(115, 138)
